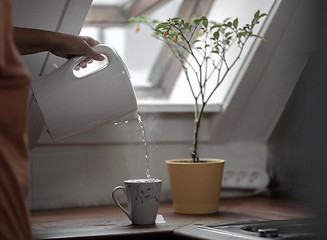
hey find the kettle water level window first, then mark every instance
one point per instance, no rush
(156, 81)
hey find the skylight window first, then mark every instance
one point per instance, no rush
(138, 51)
(147, 58)
(219, 11)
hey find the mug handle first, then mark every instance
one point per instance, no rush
(116, 201)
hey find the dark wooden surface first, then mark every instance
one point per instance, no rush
(109, 222)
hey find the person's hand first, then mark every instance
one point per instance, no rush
(69, 46)
(30, 41)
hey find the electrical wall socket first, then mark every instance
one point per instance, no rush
(245, 178)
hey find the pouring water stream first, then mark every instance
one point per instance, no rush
(144, 140)
(139, 118)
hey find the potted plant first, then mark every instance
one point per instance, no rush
(201, 47)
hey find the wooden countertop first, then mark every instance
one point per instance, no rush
(109, 222)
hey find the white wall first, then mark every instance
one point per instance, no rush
(84, 169)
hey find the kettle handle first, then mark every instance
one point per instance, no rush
(109, 52)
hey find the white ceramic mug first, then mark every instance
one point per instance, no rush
(142, 199)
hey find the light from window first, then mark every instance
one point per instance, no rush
(140, 50)
(221, 10)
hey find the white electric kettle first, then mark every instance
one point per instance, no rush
(72, 105)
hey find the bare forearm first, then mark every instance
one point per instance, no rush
(29, 41)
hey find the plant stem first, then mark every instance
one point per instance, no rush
(196, 135)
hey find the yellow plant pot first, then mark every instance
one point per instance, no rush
(195, 186)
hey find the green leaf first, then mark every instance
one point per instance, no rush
(242, 34)
(258, 36)
(196, 41)
(227, 34)
(257, 14)
(235, 23)
(197, 21)
(205, 23)
(263, 15)
(215, 26)
(216, 35)
(161, 25)
(226, 19)
(197, 16)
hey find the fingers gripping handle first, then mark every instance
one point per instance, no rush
(100, 48)
(116, 201)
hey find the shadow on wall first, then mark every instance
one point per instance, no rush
(297, 147)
